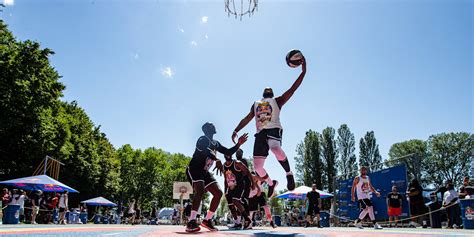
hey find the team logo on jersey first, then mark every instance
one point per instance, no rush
(365, 187)
(230, 179)
(263, 112)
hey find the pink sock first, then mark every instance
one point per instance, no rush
(193, 215)
(209, 215)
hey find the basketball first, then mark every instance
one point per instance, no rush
(294, 58)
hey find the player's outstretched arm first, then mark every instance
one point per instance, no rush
(246, 120)
(287, 95)
(230, 151)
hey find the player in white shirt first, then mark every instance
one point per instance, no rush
(364, 188)
(269, 131)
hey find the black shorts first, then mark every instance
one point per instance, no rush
(363, 203)
(256, 201)
(313, 210)
(200, 175)
(237, 193)
(62, 209)
(260, 147)
(417, 209)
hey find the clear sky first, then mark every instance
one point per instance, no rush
(152, 72)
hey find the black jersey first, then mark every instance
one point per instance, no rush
(205, 153)
(233, 175)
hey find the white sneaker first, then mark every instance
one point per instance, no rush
(377, 226)
(413, 224)
(359, 225)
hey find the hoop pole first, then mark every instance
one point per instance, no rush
(181, 209)
(45, 165)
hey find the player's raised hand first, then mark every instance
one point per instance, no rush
(303, 64)
(243, 138)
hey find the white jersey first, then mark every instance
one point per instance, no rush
(63, 201)
(363, 188)
(267, 114)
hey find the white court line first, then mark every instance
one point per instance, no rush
(111, 234)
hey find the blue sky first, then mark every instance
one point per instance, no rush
(152, 72)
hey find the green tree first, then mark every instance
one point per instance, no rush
(448, 157)
(29, 95)
(347, 163)
(309, 166)
(329, 155)
(369, 155)
(412, 153)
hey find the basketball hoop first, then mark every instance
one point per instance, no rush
(232, 9)
(181, 190)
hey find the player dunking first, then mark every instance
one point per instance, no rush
(201, 179)
(269, 131)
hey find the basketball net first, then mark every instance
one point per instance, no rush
(247, 8)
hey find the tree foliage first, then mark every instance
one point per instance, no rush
(347, 165)
(412, 153)
(329, 155)
(309, 166)
(34, 122)
(448, 157)
(369, 155)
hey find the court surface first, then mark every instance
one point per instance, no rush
(168, 230)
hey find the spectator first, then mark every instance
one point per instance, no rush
(131, 212)
(287, 217)
(5, 197)
(442, 189)
(14, 197)
(417, 204)
(138, 214)
(465, 191)
(45, 202)
(294, 216)
(174, 217)
(35, 205)
(334, 221)
(394, 204)
(63, 207)
(154, 213)
(55, 201)
(21, 201)
(451, 203)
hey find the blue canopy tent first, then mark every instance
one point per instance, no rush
(300, 193)
(39, 182)
(99, 201)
